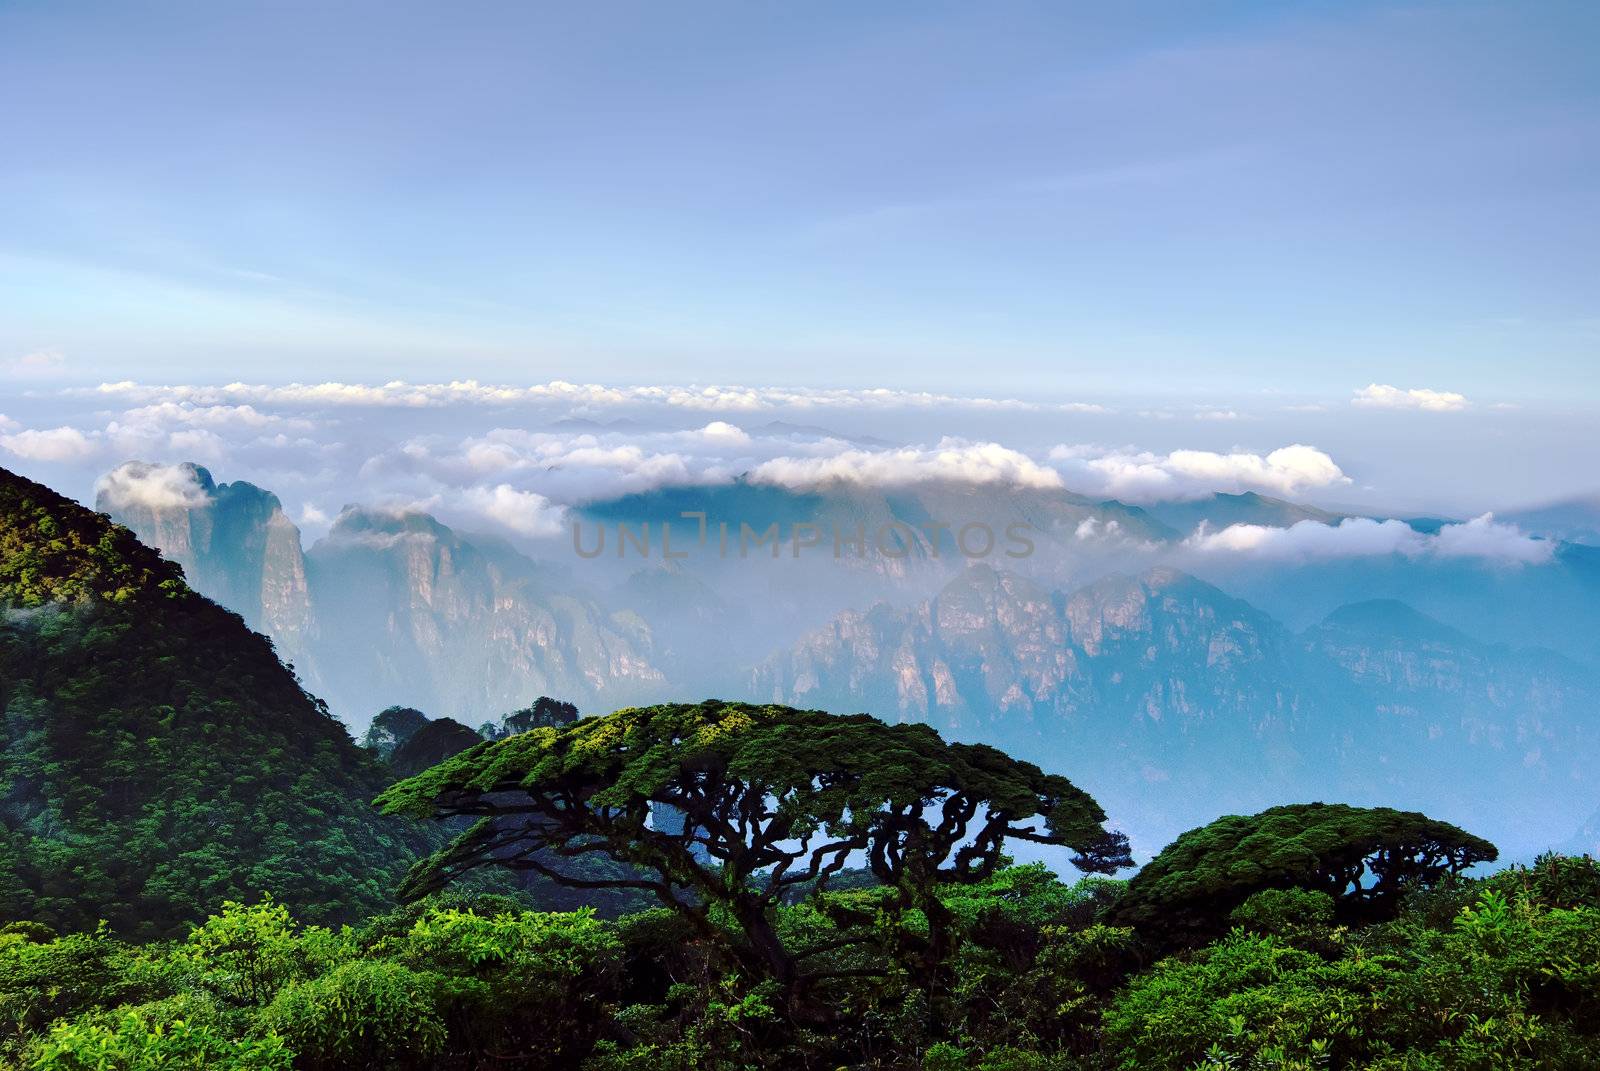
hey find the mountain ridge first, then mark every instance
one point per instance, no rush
(1174, 681)
(390, 606)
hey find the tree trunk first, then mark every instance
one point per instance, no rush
(937, 969)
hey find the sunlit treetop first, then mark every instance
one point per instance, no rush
(727, 806)
(1365, 858)
(772, 786)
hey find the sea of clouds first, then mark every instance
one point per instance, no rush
(513, 459)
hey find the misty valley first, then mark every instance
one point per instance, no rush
(1103, 652)
(1348, 826)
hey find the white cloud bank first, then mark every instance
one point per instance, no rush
(1146, 477)
(1485, 537)
(164, 429)
(720, 431)
(1383, 396)
(1357, 537)
(315, 442)
(216, 417)
(63, 444)
(952, 460)
(139, 483)
(524, 512)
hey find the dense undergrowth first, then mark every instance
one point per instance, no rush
(1499, 972)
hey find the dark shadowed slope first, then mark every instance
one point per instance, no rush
(157, 757)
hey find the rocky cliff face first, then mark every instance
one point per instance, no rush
(233, 540)
(995, 654)
(411, 611)
(1175, 700)
(1419, 703)
(388, 608)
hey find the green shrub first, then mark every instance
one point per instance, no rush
(945, 1056)
(1510, 980)
(33, 932)
(180, 1034)
(1553, 881)
(542, 951)
(1284, 911)
(1247, 997)
(363, 1014)
(527, 981)
(41, 983)
(246, 953)
(723, 1026)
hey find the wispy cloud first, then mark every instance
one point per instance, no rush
(575, 396)
(1383, 396)
(139, 483)
(37, 364)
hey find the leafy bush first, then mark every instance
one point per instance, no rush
(42, 983)
(1247, 997)
(365, 1014)
(536, 983)
(1499, 973)
(1284, 911)
(245, 954)
(173, 1035)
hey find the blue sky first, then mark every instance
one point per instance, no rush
(1045, 198)
(1218, 223)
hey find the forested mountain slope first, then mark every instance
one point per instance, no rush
(155, 756)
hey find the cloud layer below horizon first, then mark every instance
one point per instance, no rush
(514, 458)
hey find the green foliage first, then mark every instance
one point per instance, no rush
(155, 757)
(364, 1014)
(1249, 996)
(535, 953)
(534, 988)
(430, 745)
(391, 727)
(55, 551)
(1284, 911)
(1510, 983)
(635, 757)
(163, 1037)
(45, 982)
(527, 981)
(767, 800)
(1365, 859)
(943, 1056)
(246, 953)
(1030, 896)
(719, 1026)
(1553, 881)
(1508, 980)
(542, 712)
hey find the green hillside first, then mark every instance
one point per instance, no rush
(155, 756)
